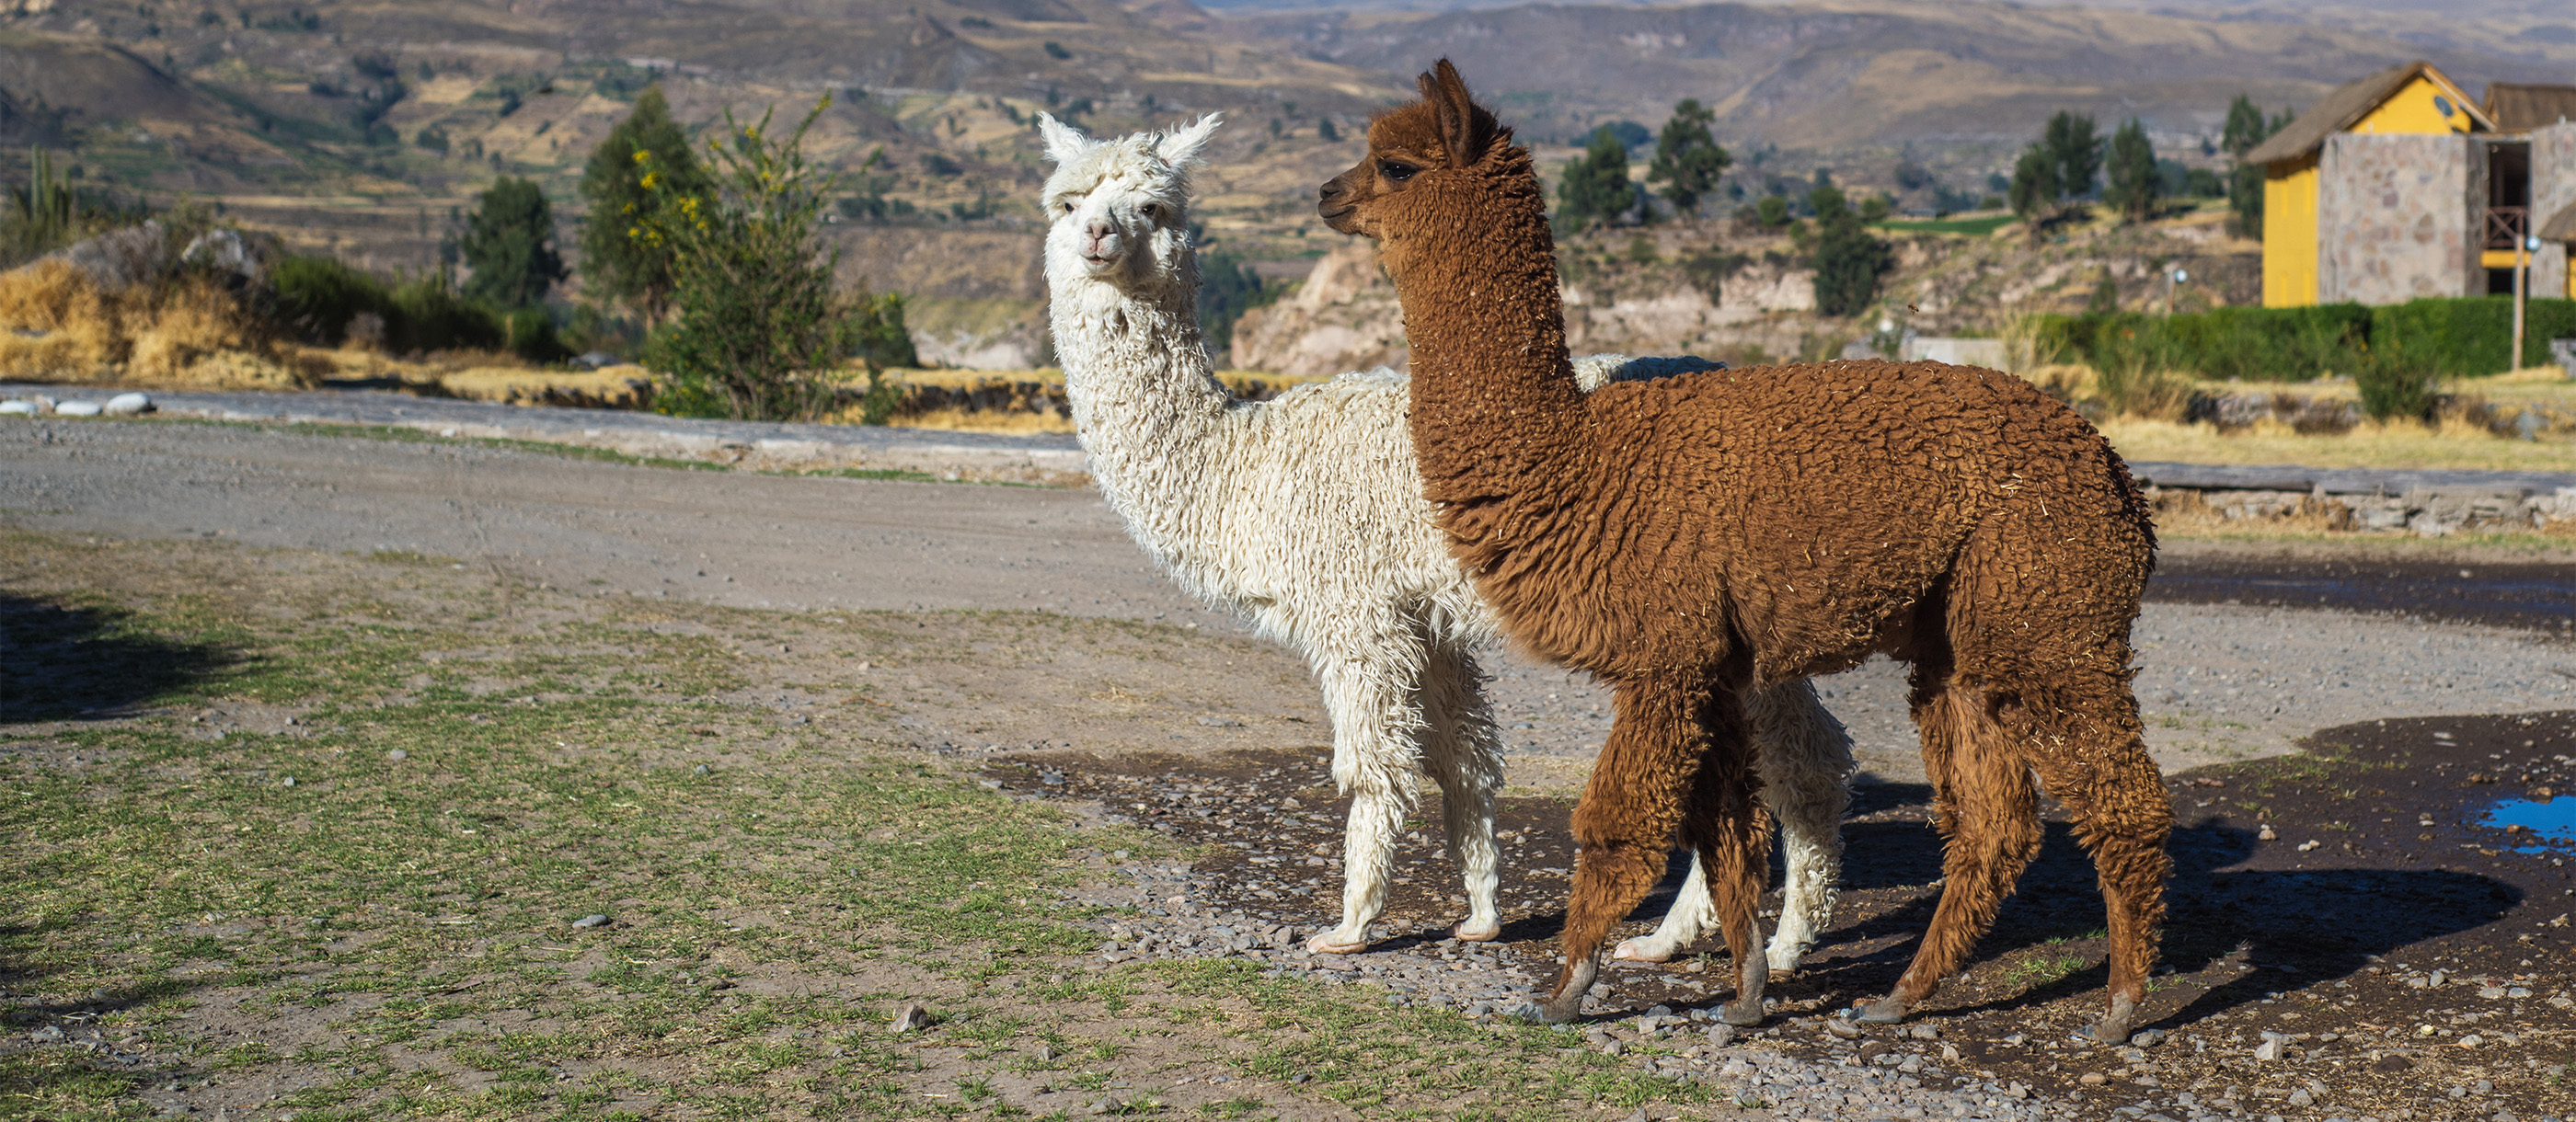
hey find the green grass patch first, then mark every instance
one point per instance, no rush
(1972, 227)
(341, 856)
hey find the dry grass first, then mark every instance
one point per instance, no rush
(2452, 444)
(192, 333)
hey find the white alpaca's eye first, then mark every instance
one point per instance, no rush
(1152, 210)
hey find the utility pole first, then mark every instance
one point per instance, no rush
(2522, 250)
(2173, 277)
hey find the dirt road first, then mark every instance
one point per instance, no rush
(2219, 680)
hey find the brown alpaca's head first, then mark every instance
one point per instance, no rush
(1412, 152)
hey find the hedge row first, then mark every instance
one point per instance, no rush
(2458, 337)
(319, 298)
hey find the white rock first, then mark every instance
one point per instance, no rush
(128, 405)
(77, 409)
(2270, 1049)
(16, 408)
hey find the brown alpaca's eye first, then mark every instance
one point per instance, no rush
(1396, 171)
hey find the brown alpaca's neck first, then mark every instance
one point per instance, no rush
(1494, 395)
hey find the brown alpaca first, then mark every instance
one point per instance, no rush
(1687, 539)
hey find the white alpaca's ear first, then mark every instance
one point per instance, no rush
(1180, 147)
(1064, 143)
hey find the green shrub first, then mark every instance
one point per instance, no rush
(318, 296)
(2396, 381)
(430, 315)
(759, 333)
(2474, 336)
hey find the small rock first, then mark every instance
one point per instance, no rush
(1924, 1032)
(1949, 1053)
(77, 409)
(2472, 1040)
(1044, 1053)
(2016, 1040)
(2301, 1097)
(912, 1016)
(1721, 1035)
(1842, 1029)
(128, 405)
(2491, 993)
(1221, 722)
(16, 408)
(1613, 1048)
(2438, 977)
(701, 769)
(2266, 834)
(50, 1034)
(2308, 845)
(2270, 1049)
(1641, 1116)
(2148, 1038)
(2093, 1079)
(397, 755)
(590, 921)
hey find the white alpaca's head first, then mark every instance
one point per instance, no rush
(1118, 210)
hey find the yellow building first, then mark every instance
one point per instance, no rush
(2414, 99)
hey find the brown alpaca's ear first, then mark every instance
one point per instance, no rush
(1465, 128)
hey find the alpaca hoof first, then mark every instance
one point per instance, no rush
(1331, 943)
(1784, 963)
(1475, 931)
(1884, 1011)
(1541, 1013)
(2113, 1029)
(1642, 949)
(1742, 1014)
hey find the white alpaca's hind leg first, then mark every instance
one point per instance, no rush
(1376, 724)
(1806, 763)
(1466, 756)
(1692, 913)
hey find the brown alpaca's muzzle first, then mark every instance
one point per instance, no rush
(1337, 202)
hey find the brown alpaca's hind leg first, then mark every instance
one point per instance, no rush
(2122, 817)
(1990, 819)
(1721, 821)
(1623, 826)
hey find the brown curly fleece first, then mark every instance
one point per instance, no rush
(1687, 538)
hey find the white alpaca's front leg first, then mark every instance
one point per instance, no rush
(1692, 913)
(1376, 723)
(1466, 756)
(1806, 762)
(1804, 756)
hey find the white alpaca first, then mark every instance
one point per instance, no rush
(1305, 515)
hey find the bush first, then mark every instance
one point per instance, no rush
(759, 333)
(2466, 337)
(318, 296)
(430, 315)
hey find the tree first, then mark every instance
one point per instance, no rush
(616, 264)
(1596, 189)
(1848, 261)
(509, 243)
(2077, 149)
(757, 330)
(1688, 161)
(2247, 127)
(2034, 185)
(2133, 181)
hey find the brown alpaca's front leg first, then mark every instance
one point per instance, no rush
(1722, 822)
(1623, 826)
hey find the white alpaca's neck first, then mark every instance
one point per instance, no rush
(1145, 403)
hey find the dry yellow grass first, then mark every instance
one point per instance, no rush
(59, 327)
(2371, 445)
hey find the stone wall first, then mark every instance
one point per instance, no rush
(2396, 217)
(2553, 188)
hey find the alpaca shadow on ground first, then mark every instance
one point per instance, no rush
(2292, 927)
(89, 663)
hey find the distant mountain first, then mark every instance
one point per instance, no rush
(1840, 74)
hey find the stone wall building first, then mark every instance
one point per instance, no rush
(2397, 187)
